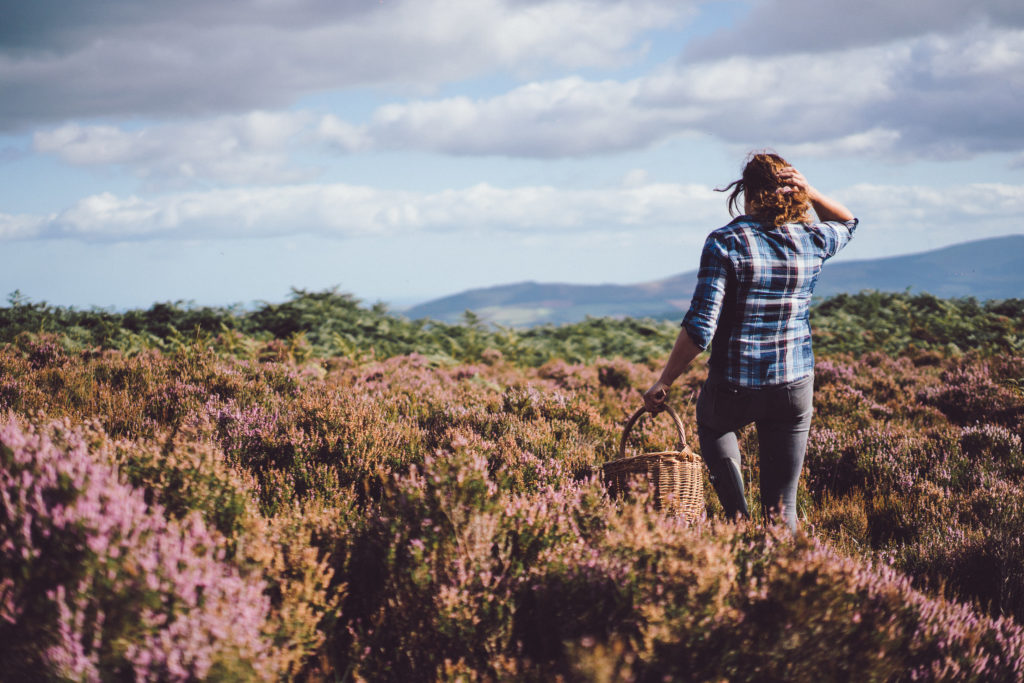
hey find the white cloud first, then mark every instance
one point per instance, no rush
(124, 58)
(917, 218)
(342, 135)
(352, 211)
(636, 177)
(928, 96)
(567, 117)
(252, 148)
(946, 89)
(22, 226)
(874, 142)
(899, 215)
(791, 26)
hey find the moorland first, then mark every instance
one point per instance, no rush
(320, 490)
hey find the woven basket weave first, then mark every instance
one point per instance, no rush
(677, 476)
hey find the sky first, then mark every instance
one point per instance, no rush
(400, 150)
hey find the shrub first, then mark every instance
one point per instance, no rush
(413, 516)
(98, 585)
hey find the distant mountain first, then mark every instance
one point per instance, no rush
(985, 269)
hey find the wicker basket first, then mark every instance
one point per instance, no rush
(677, 476)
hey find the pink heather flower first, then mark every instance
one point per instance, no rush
(122, 549)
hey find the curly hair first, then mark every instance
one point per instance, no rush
(761, 189)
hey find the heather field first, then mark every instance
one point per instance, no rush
(320, 491)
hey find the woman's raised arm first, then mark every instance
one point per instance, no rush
(827, 208)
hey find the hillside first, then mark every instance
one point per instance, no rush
(984, 269)
(331, 325)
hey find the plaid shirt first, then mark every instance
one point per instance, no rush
(753, 297)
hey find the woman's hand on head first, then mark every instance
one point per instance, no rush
(792, 180)
(827, 208)
(655, 397)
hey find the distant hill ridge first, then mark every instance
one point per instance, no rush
(985, 269)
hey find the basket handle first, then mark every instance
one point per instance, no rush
(636, 416)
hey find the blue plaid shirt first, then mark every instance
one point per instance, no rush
(753, 297)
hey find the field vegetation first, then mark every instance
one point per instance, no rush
(322, 491)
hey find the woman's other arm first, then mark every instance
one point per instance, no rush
(700, 321)
(683, 352)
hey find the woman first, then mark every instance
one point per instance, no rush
(751, 305)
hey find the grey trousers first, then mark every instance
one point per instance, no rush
(782, 415)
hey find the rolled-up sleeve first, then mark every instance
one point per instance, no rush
(836, 234)
(709, 295)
